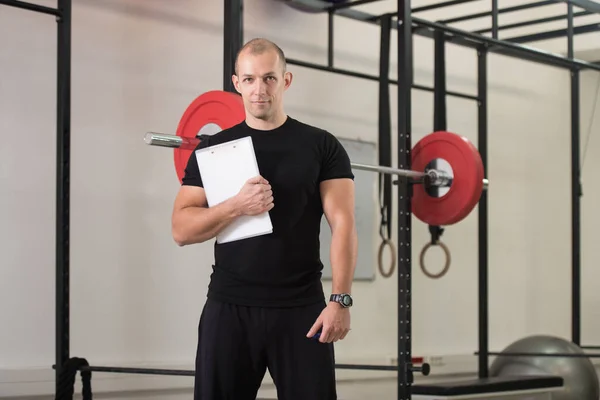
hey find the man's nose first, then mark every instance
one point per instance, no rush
(260, 86)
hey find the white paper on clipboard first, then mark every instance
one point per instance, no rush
(224, 169)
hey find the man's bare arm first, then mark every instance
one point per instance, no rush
(338, 205)
(193, 221)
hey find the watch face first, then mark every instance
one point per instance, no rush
(347, 300)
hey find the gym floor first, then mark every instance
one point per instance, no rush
(379, 389)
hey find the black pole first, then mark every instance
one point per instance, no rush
(63, 159)
(405, 79)
(575, 189)
(495, 19)
(439, 103)
(233, 39)
(483, 295)
(330, 18)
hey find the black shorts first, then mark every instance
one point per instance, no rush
(237, 344)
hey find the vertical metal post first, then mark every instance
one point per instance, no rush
(483, 294)
(440, 121)
(233, 39)
(63, 167)
(331, 17)
(576, 210)
(570, 32)
(495, 19)
(575, 188)
(405, 81)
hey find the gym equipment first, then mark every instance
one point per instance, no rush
(548, 355)
(449, 209)
(465, 179)
(208, 114)
(496, 388)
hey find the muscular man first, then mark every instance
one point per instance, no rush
(266, 302)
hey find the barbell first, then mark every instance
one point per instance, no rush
(442, 160)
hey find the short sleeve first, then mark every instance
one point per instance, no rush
(335, 162)
(191, 176)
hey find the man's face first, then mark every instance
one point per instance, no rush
(261, 82)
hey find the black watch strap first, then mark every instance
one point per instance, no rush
(342, 298)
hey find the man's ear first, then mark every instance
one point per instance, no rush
(288, 77)
(236, 83)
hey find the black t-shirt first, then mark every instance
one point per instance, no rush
(282, 268)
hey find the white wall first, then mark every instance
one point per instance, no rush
(136, 296)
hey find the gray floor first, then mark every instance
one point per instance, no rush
(372, 389)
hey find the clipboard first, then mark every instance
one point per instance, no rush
(224, 169)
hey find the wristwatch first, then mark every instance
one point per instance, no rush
(343, 298)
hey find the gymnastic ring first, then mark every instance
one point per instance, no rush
(446, 266)
(384, 243)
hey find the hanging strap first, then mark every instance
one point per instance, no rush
(385, 129)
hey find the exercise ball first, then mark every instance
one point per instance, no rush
(578, 373)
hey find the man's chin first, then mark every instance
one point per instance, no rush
(261, 115)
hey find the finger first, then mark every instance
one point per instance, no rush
(344, 334)
(336, 336)
(314, 329)
(325, 335)
(255, 179)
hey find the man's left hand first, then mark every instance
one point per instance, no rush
(334, 321)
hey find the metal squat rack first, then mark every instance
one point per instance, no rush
(406, 25)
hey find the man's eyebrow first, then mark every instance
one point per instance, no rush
(270, 73)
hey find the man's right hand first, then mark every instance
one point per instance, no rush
(255, 197)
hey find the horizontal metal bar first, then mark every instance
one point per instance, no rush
(367, 367)
(469, 39)
(588, 5)
(533, 354)
(144, 371)
(534, 22)
(389, 170)
(578, 30)
(508, 48)
(31, 7)
(174, 141)
(437, 178)
(500, 11)
(448, 92)
(361, 75)
(440, 5)
(179, 372)
(590, 347)
(335, 70)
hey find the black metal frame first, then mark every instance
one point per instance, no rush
(63, 157)
(443, 33)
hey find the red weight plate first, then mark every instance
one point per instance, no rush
(467, 184)
(209, 113)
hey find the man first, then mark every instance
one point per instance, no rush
(266, 304)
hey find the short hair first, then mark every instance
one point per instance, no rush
(259, 46)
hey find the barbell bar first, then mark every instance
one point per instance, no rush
(435, 177)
